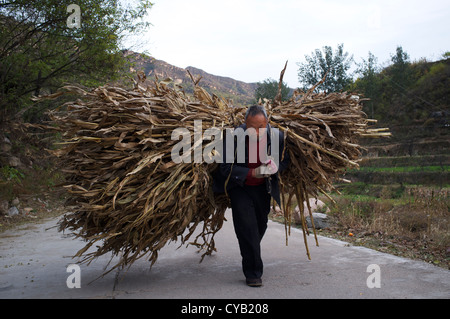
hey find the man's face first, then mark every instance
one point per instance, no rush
(257, 122)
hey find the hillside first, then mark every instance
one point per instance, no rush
(241, 93)
(413, 101)
(415, 111)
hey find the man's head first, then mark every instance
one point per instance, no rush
(256, 118)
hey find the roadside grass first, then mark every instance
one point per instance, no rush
(411, 221)
(33, 183)
(35, 189)
(408, 221)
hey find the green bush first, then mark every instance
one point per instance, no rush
(11, 174)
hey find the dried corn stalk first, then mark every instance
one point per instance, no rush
(132, 199)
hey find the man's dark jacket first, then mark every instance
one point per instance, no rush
(236, 173)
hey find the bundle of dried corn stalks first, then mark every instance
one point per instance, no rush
(322, 132)
(132, 199)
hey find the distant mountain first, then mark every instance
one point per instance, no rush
(241, 93)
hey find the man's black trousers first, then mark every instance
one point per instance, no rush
(250, 206)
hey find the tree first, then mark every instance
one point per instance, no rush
(334, 65)
(268, 89)
(40, 49)
(400, 67)
(367, 81)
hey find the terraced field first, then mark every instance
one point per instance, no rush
(398, 201)
(430, 170)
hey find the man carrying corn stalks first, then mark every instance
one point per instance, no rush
(250, 179)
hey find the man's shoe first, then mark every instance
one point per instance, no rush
(256, 282)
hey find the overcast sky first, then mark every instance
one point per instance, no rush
(250, 40)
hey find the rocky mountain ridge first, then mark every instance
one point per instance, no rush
(241, 93)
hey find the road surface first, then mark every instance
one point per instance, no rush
(34, 261)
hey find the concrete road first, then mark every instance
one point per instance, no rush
(34, 260)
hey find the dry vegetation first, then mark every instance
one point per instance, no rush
(130, 199)
(415, 224)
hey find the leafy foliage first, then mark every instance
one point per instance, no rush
(39, 51)
(10, 173)
(405, 93)
(268, 89)
(333, 65)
